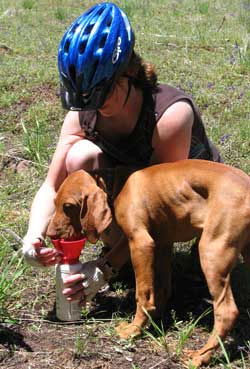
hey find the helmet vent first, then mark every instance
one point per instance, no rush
(66, 46)
(73, 29)
(109, 22)
(82, 47)
(100, 11)
(103, 41)
(88, 29)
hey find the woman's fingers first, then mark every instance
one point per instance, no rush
(73, 287)
(47, 256)
(74, 293)
(72, 279)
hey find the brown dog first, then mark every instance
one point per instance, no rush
(158, 206)
(178, 201)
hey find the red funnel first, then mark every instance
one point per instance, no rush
(71, 249)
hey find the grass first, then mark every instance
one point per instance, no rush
(12, 268)
(226, 362)
(202, 47)
(159, 335)
(185, 332)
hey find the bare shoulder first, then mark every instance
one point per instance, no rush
(178, 114)
(172, 134)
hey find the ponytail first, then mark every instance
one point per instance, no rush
(143, 74)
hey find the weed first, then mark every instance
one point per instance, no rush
(227, 364)
(119, 287)
(83, 340)
(33, 143)
(60, 14)
(135, 366)
(85, 312)
(160, 338)
(10, 271)
(244, 366)
(203, 7)
(185, 332)
(191, 365)
(28, 4)
(244, 51)
(80, 345)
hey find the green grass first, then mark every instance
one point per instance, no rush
(159, 335)
(12, 268)
(185, 331)
(200, 46)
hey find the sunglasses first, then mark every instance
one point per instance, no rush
(92, 100)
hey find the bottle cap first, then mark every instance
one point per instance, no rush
(71, 249)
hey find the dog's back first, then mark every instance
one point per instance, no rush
(183, 196)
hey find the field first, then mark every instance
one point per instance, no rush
(199, 46)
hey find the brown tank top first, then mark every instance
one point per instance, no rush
(136, 149)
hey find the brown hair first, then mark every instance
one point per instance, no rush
(143, 74)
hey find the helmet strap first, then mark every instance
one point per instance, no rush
(129, 89)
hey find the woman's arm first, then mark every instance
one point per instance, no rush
(172, 134)
(43, 204)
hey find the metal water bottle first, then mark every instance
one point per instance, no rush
(71, 250)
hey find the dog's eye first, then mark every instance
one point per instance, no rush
(68, 208)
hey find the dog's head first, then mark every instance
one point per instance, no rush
(81, 209)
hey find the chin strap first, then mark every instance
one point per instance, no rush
(129, 89)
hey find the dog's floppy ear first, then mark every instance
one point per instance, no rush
(95, 215)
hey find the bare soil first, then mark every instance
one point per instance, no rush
(37, 340)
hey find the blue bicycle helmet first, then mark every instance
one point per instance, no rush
(93, 53)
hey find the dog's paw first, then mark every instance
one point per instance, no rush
(126, 331)
(187, 360)
(196, 358)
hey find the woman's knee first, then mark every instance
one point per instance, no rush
(85, 155)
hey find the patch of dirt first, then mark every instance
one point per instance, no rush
(38, 341)
(44, 343)
(15, 163)
(5, 49)
(13, 160)
(46, 93)
(59, 346)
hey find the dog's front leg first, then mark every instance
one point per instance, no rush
(143, 253)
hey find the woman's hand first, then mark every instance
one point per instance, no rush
(37, 254)
(84, 286)
(46, 256)
(74, 289)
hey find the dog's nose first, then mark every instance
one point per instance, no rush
(51, 232)
(51, 235)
